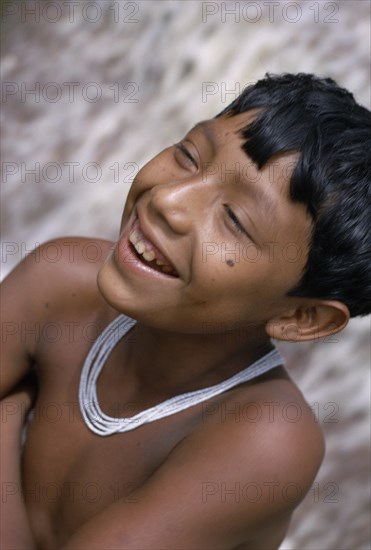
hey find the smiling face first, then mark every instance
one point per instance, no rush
(228, 241)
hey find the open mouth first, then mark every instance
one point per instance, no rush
(148, 254)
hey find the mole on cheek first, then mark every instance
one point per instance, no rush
(230, 263)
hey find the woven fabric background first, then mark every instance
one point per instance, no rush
(92, 90)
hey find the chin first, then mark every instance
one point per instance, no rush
(116, 295)
(109, 286)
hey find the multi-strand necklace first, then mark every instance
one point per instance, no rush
(100, 423)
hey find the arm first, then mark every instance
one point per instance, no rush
(15, 529)
(26, 295)
(17, 344)
(217, 489)
(16, 364)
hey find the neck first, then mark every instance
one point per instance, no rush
(167, 361)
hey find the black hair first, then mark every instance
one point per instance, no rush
(332, 134)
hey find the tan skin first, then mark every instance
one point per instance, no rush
(163, 485)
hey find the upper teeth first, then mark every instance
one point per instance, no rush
(149, 255)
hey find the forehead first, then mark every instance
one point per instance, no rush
(224, 136)
(225, 128)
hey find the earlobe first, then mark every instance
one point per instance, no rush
(309, 321)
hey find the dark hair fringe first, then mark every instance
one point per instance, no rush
(332, 134)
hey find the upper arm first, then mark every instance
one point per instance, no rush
(18, 319)
(215, 491)
(44, 277)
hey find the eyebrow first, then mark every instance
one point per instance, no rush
(257, 192)
(205, 127)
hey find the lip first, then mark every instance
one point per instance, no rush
(127, 260)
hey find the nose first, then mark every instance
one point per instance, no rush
(178, 204)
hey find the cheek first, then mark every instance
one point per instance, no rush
(218, 281)
(153, 171)
(157, 171)
(252, 282)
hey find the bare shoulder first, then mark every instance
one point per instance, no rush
(257, 453)
(56, 271)
(56, 280)
(272, 426)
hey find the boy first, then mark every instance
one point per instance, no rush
(255, 226)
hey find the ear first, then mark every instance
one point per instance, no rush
(309, 321)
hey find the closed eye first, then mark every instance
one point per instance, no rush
(235, 221)
(185, 153)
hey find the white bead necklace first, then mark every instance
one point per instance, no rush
(100, 423)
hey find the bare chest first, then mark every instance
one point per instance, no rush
(70, 474)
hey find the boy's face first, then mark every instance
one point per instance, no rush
(235, 239)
